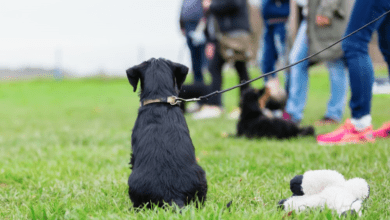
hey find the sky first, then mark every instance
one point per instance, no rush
(85, 36)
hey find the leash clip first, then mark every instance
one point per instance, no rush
(173, 100)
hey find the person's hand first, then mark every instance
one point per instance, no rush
(322, 21)
(210, 50)
(198, 38)
(206, 4)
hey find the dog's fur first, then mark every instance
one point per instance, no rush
(254, 124)
(164, 167)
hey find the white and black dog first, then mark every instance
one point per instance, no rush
(164, 166)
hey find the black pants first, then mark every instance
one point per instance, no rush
(215, 68)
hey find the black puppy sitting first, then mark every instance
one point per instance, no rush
(254, 124)
(164, 167)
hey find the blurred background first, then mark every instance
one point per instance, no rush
(83, 38)
(87, 37)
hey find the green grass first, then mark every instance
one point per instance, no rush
(65, 147)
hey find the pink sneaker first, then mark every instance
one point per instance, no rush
(346, 134)
(382, 132)
(346, 126)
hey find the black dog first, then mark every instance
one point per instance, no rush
(254, 124)
(164, 167)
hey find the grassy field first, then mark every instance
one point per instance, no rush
(65, 148)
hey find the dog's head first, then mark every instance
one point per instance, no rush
(250, 100)
(253, 100)
(159, 78)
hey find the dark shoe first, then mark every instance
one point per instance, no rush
(326, 121)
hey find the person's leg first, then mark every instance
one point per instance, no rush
(270, 55)
(338, 82)
(384, 45)
(298, 75)
(215, 68)
(361, 71)
(242, 73)
(212, 107)
(280, 43)
(361, 74)
(196, 57)
(384, 39)
(196, 53)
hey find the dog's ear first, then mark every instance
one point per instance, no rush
(180, 71)
(134, 74)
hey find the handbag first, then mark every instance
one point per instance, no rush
(236, 46)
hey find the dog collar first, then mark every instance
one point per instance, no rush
(173, 100)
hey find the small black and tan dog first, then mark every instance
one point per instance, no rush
(164, 166)
(254, 124)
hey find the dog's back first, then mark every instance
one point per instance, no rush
(164, 163)
(164, 167)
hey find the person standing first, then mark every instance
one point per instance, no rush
(358, 129)
(228, 19)
(275, 15)
(315, 34)
(190, 16)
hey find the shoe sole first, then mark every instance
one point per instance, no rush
(342, 143)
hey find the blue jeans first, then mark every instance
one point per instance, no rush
(274, 44)
(361, 71)
(299, 79)
(197, 53)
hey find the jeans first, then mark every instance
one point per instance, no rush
(299, 81)
(273, 47)
(197, 53)
(361, 71)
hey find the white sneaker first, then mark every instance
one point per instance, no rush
(208, 111)
(193, 107)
